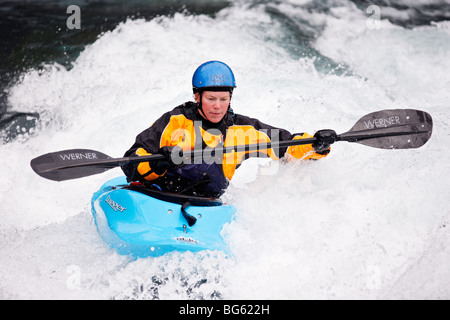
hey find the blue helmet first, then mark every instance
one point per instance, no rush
(213, 76)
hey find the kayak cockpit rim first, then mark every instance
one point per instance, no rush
(174, 197)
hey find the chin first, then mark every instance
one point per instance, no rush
(215, 119)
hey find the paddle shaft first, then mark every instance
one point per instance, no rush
(386, 129)
(115, 162)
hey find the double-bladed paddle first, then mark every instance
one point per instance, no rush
(386, 129)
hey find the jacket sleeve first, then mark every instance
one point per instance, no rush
(147, 142)
(263, 133)
(305, 151)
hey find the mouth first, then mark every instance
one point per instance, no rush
(215, 117)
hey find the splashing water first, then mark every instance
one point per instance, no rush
(362, 223)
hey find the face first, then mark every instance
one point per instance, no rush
(214, 105)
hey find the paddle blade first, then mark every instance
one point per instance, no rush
(70, 164)
(392, 129)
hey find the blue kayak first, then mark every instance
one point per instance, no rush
(142, 222)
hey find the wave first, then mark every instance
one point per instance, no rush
(40, 37)
(362, 223)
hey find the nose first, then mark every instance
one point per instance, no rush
(216, 104)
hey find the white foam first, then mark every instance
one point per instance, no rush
(363, 223)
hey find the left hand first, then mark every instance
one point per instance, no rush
(324, 138)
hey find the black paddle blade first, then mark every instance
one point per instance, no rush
(69, 164)
(392, 129)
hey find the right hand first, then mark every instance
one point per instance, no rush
(160, 166)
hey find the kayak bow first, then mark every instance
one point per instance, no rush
(141, 222)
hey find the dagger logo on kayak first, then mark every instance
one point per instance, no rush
(114, 205)
(382, 122)
(186, 239)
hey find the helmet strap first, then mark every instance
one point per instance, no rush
(200, 104)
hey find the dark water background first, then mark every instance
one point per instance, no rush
(33, 33)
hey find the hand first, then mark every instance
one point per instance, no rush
(324, 138)
(160, 166)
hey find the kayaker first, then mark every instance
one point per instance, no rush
(207, 123)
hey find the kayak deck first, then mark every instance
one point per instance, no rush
(140, 222)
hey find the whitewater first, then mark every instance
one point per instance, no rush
(363, 223)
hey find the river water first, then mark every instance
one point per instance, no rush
(362, 223)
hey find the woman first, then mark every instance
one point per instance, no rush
(207, 123)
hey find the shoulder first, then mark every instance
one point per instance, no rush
(187, 111)
(185, 108)
(246, 122)
(242, 120)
